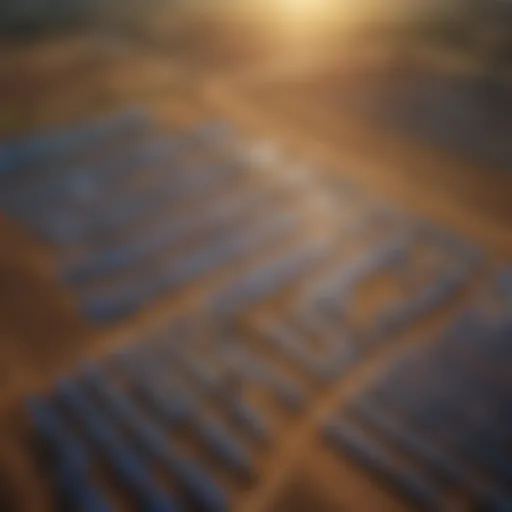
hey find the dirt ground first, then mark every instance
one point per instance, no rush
(41, 331)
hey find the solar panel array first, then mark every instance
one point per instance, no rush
(186, 416)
